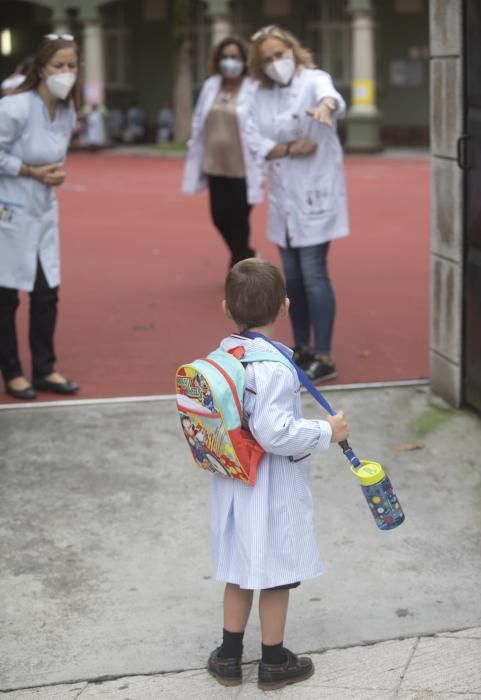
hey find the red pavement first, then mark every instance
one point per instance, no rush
(143, 273)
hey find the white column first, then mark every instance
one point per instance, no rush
(221, 27)
(363, 64)
(93, 58)
(363, 116)
(60, 26)
(220, 19)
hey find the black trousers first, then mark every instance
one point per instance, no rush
(230, 213)
(43, 316)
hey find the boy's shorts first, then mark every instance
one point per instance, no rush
(285, 587)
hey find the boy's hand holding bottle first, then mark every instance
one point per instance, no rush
(339, 427)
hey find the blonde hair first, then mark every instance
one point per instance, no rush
(302, 56)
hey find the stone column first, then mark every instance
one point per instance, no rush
(93, 59)
(219, 13)
(60, 25)
(447, 235)
(60, 22)
(363, 118)
(183, 91)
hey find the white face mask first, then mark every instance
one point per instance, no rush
(60, 84)
(231, 67)
(281, 71)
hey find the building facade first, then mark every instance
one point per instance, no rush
(409, 72)
(456, 202)
(155, 52)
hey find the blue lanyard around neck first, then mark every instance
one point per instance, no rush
(315, 393)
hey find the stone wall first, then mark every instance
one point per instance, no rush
(446, 345)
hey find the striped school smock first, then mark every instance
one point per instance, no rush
(263, 536)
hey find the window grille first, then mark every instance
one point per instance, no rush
(328, 35)
(117, 48)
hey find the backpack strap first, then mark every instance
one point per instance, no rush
(239, 352)
(266, 356)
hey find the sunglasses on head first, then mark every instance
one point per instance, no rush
(263, 32)
(55, 37)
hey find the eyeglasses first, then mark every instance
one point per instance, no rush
(264, 31)
(55, 37)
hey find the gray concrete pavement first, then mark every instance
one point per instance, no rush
(105, 570)
(442, 667)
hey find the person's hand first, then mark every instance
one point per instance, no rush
(52, 174)
(323, 112)
(339, 427)
(281, 150)
(302, 147)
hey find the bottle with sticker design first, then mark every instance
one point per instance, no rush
(379, 494)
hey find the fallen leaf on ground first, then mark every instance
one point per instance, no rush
(408, 447)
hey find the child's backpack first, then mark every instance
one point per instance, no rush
(210, 393)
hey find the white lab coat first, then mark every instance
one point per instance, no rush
(307, 195)
(194, 179)
(95, 133)
(28, 208)
(263, 536)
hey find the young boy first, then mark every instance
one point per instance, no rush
(263, 536)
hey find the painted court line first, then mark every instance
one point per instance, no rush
(171, 397)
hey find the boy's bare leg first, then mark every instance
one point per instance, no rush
(278, 666)
(237, 607)
(225, 661)
(273, 613)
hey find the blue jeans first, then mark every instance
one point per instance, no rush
(313, 304)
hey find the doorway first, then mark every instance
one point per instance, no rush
(471, 162)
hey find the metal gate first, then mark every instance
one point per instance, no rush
(469, 158)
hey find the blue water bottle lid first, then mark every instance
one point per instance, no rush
(369, 473)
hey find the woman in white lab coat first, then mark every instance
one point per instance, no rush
(36, 123)
(218, 155)
(292, 128)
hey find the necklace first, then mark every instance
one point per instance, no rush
(225, 96)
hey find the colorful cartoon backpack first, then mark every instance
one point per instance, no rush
(210, 393)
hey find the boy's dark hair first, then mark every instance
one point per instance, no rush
(254, 293)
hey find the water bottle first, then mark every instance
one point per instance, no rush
(379, 493)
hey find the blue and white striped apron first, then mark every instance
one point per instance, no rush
(263, 537)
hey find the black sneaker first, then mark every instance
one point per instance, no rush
(321, 371)
(293, 670)
(225, 671)
(303, 357)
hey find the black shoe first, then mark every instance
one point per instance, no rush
(66, 387)
(303, 357)
(26, 394)
(225, 671)
(293, 670)
(321, 371)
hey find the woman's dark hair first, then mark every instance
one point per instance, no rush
(24, 65)
(254, 293)
(216, 53)
(46, 49)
